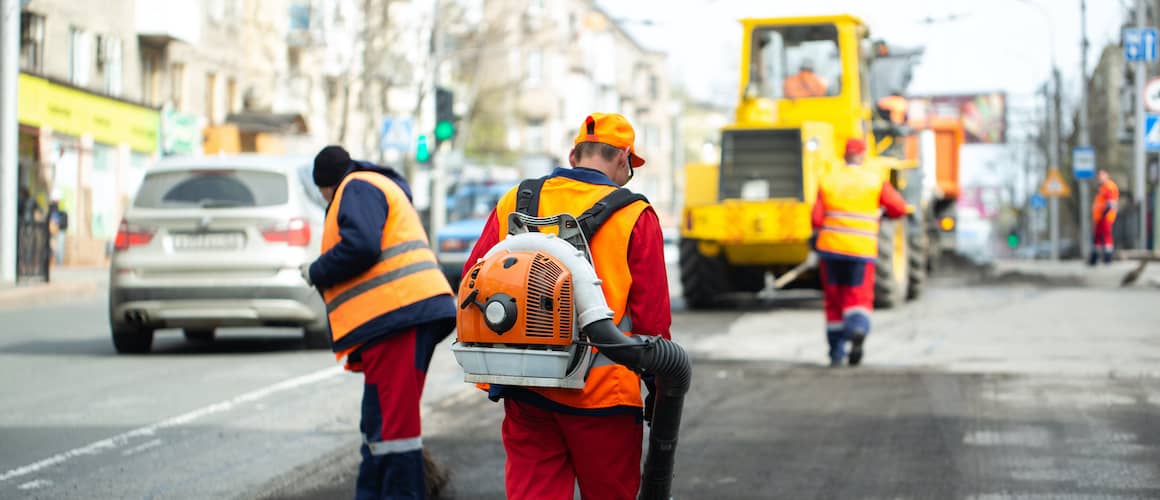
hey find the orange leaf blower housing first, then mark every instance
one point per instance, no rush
(517, 299)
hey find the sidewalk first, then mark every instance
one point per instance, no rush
(1069, 273)
(66, 282)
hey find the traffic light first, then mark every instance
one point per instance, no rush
(444, 115)
(1013, 238)
(422, 151)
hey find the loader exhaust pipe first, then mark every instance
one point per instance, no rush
(664, 359)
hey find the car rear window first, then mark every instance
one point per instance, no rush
(213, 188)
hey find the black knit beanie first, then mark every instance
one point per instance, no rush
(330, 165)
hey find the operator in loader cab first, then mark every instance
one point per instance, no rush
(555, 438)
(806, 83)
(845, 221)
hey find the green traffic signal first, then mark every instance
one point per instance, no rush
(444, 130)
(422, 152)
(1012, 240)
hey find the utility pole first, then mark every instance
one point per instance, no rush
(1141, 194)
(438, 156)
(1055, 147)
(9, 68)
(1085, 230)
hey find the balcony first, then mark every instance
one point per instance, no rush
(159, 23)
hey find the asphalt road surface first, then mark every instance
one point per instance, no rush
(981, 392)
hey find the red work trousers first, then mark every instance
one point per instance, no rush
(548, 452)
(1102, 239)
(395, 369)
(848, 296)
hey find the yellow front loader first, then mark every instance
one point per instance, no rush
(749, 215)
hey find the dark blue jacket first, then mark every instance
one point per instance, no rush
(362, 214)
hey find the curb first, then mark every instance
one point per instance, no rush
(27, 295)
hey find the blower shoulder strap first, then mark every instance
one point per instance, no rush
(593, 218)
(528, 198)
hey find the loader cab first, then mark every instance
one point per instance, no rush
(805, 69)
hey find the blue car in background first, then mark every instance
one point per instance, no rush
(468, 208)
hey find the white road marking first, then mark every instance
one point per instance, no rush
(142, 447)
(32, 485)
(122, 439)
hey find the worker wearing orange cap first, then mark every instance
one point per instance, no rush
(845, 221)
(556, 438)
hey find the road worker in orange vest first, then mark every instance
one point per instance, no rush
(1103, 218)
(556, 438)
(805, 83)
(388, 305)
(845, 221)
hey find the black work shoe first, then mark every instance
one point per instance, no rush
(856, 341)
(835, 362)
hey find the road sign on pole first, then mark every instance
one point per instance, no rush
(1152, 132)
(396, 133)
(1053, 186)
(1152, 95)
(1038, 201)
(1083, 159)
(1140, 44)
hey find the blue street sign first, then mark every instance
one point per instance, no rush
(397, 133)
(1083, 160)
(1152, 132)
(1140, 44)
(1038, 201)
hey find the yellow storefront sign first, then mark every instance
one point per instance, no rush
(42, 103)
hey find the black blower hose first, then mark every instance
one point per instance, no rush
(673, 372)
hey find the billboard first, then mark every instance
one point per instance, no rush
(984, 115)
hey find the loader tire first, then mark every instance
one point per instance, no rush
(888, 291)
(916, 269)
(704, 280)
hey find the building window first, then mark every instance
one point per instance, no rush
(535, 137)
(654, 86)
(80, 55)
(231, 95)
(151, 76)
(31, 42)
(535, 67)
(109, 62)
(177, 86)
(211, 97)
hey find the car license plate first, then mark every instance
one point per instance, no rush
(207, 241)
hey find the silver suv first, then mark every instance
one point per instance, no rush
(216, 241)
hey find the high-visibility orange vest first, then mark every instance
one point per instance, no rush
(608, 384)
(850, 196)
(804, 84)
(1107, 198)
(896, 107)
(406, 273)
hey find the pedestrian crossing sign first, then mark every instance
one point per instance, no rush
(1054, 186)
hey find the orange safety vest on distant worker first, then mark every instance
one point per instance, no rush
(406, 273)
(1107, 198)
(608, 384)
(895, 107)
(804, 84)
(851, 195)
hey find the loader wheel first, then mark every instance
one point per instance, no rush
(890, 274)
(704, 280)
(916, 268)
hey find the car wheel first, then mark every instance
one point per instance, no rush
(132, 340)
(199, 334)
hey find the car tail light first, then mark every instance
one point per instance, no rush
(295, 233)
(131, 236)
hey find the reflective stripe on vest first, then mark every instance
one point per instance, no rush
(851, 198)
(608, 385)
(406, 272)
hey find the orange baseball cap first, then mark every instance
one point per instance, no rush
(612, 129)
